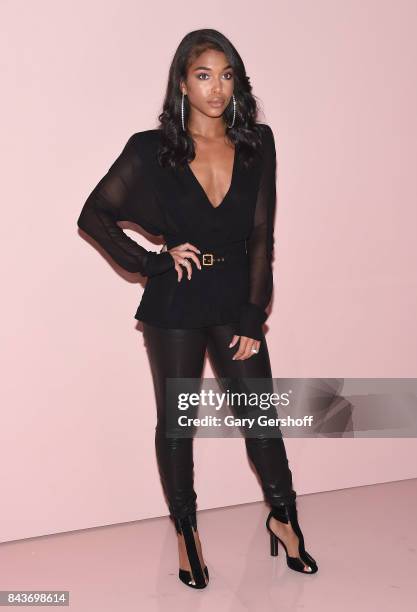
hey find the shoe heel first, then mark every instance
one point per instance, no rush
(274, 545)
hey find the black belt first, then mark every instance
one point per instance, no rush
(219, 256)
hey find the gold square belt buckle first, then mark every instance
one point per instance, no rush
(207, 263)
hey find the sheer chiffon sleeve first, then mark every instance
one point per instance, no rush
(260, 246)
(126, 194)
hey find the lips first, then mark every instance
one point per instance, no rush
(216, 102)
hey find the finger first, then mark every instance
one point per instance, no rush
(180, 252)
(254, 349)
(184, 262)
(179, 258)
(179, 270)
(192, 256)
(242, 346)
(186, 246)
(191, 247)
(248, 350)
(234, 340)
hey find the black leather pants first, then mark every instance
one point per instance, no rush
(180, 353)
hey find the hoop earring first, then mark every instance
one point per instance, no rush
(234, 112)
(182, 112)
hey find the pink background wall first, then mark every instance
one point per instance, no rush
(338, 84)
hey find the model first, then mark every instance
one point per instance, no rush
(205, 181)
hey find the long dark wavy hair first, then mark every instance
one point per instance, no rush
(177, 146)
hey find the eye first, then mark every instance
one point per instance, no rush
(229, 76)
(202, 74)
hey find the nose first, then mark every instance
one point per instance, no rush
(217, 85)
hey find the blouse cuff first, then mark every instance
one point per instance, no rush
(157, 263)
(250, 322)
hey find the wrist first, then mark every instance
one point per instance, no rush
(250, 321)
(158, 263)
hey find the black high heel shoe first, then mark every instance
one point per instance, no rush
(285, 513)
(197, 578)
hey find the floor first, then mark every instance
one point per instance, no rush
(364, 540)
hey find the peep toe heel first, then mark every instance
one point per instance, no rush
(287, 513)
(197, 578)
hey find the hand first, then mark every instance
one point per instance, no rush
(181, 254)
(245, 347)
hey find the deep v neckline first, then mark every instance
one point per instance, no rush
(228, 192)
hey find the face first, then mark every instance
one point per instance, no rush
(209, 83)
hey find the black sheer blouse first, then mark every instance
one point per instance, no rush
(170, 202)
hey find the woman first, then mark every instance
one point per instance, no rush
(205, 180)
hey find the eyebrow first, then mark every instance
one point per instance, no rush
(207, 68)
